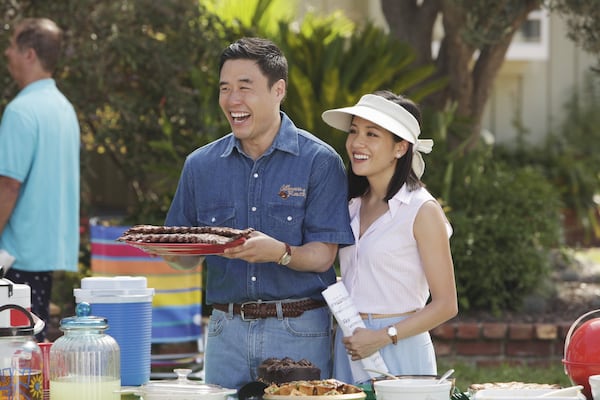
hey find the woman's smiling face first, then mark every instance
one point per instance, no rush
(372, 149)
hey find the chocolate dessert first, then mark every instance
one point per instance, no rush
(274, 370)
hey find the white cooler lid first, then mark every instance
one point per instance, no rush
(116, 289)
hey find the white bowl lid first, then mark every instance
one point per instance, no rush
(183, 385)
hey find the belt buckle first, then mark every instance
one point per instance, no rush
(243, 313)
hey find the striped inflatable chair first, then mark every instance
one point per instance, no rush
(177, 302)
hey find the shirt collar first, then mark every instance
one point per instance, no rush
(285, 140)
(40, 83)
(402, 196)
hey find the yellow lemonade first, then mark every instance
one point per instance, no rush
(96, 389)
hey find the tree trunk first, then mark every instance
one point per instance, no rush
(413, 24)
(470, 68)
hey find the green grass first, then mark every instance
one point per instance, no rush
(467, 374)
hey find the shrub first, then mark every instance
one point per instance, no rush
(570, 159)
(505, 220)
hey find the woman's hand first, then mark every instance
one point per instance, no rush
(365, 342)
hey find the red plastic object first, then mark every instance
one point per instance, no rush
(184, 249)
(582, 352)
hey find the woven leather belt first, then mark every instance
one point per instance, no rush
(252, 310)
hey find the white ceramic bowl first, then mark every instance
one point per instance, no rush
(412, 389)
(594, 381)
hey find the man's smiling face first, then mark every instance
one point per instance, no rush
(250, 105)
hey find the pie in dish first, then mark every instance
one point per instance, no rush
(325, 387)
(512, 385)
(476, 387)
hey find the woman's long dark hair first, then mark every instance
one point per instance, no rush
(359, 185)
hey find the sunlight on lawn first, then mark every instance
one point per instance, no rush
(591, 254)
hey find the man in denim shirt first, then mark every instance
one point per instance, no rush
(291, 188)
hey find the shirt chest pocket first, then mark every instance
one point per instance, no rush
(217, 216)
(285, 221)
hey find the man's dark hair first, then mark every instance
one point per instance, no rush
(269, 58)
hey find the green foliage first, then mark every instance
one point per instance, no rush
(505, 220)
(263, 16)
(583, 22)
(143, 77)
(489, 21)
(144, 106)
(133, 71)
(328, 64)
(570, 158)
(573, 156)
(329, 70)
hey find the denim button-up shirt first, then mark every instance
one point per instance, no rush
(295, 192)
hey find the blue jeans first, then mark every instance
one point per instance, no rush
(235, 348)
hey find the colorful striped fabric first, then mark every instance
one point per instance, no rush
(177, 302)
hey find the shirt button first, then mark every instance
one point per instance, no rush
(213, 219)
(255, 175)
(253, 279)
(253, 208)
(289, 218)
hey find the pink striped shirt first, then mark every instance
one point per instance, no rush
(382, 270)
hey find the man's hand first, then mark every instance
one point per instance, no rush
(258, 248)
(261, 248)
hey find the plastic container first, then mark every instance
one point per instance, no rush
(424, 377)
(20, 358)
(45, 347)
(180, 389)
(412, 389)
(14, 293)
(126, 302)
(594, 381)
(582, 353)
(84, 362)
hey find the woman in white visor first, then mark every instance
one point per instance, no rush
(399, 272)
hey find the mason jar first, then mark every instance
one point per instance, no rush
(85, 361)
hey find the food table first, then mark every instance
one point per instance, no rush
(406, 389)
(165, 241)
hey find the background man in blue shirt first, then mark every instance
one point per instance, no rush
(291, 188)
(39, 165)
